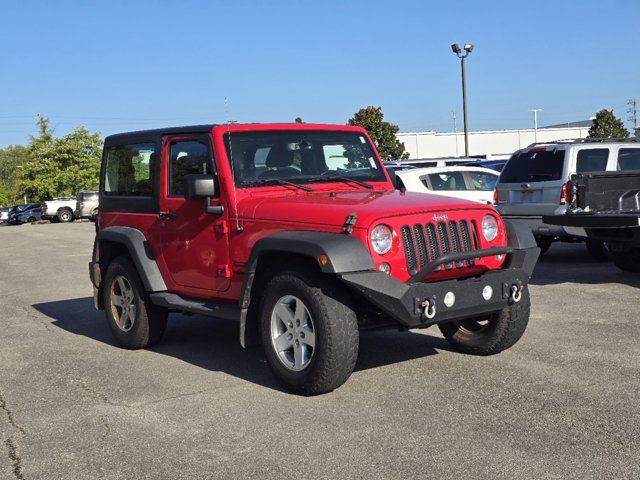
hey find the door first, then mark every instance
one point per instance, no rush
(451, 184)
(482, 185)
(194, 243)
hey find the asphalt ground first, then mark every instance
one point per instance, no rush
(562, 403)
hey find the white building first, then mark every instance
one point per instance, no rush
(492, 144)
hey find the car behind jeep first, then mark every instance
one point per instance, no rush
(536, 182)
(296, 233)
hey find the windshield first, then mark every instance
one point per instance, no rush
(303, 156)
(534, 166)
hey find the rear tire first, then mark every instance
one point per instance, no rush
(598, 250)
(315, 305)
(544, 243)
(134, 321)
(628, 260)
(65, 216)
(492, 334)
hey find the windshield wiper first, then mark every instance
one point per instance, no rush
(276, 181)
(340, 178)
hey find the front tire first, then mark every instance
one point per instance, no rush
(65, 216)
(491, 334)
(598, 250)
(32, 220)
(544, 243)
(309, 331)
(626, 260)
(134, 321)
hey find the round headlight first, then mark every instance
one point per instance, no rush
(381, 238)
(489, 227)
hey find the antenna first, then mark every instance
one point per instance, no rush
(239, 227)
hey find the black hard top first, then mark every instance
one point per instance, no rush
(119, 137)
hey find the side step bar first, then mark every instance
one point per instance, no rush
(176, 302)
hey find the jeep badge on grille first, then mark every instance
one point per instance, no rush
(440, 218)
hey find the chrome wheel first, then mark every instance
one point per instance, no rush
(293, 334)
(123, 305)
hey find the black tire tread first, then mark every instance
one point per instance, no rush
(151, 321)
(336, 361)
(627, 261)
(597, 250)
(510, 325)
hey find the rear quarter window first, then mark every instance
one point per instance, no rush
(629, 159)
(592, 160)
(534, 166)
(129, 170)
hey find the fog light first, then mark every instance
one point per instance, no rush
(450, 299)
(487, 292)
(385, 268)
(500, 257)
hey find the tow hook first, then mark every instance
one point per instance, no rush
(429, 307)
(516, 293)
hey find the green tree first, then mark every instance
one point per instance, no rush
(60, 166)
(381, 132)
(607, 125)
(11, 158)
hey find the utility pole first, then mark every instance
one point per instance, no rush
(633, 113)
(535, 123)
(468, 48)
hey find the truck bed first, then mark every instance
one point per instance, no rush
(602, 200)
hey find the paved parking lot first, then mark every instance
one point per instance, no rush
(562, 403)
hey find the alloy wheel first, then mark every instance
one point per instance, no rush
(123, 306)
(293, 334)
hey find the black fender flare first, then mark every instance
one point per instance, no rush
(343, 254)
(140, 252)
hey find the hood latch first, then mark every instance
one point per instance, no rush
(350, 222)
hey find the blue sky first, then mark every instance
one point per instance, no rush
(117, 66)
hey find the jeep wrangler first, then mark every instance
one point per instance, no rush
(297, 233)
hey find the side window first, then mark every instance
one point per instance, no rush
(482, 181)
(186, 158)
(592, 160)
(129, 170)
(629, 159)
(446, 181)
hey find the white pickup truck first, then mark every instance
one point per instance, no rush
(59, 209)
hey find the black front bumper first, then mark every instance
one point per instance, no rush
(405, 302)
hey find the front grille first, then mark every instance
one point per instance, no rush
(424, 243)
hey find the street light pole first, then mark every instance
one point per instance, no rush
(464, 107)
(468, 48)
(535, 123)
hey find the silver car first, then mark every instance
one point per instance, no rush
(535, 181)
(86, 205)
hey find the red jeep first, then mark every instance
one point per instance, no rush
(297, 233)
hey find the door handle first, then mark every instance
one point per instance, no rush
(167, 215)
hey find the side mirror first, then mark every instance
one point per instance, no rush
(198, 186)
(202, 186)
